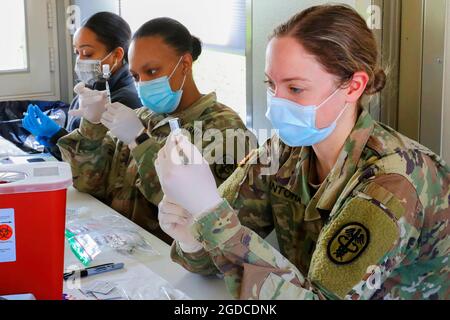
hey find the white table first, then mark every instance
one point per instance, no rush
(195, 286)
(8, 148)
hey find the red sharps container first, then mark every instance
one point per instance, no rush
(32, 223)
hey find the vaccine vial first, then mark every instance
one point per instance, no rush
(174, 125)
(175, 128)
(106, 71)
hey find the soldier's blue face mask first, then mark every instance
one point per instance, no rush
(296, 123)
(158, 96)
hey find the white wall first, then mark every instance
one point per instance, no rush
(89, 7)
(266, 15)
(446, 104)
(65, 51)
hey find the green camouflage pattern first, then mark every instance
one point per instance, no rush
(126, 180)
(394, 187)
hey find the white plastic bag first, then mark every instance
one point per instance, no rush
(89, 237)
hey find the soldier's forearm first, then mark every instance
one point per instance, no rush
(90, 162)
(250, 265)
(200, 262)
(145, 155)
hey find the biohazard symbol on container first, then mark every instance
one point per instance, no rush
(6, 232)
(348, 243)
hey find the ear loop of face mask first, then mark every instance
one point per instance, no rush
(174, 70)
(328, 99)
(114, 65)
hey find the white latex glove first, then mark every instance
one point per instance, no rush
(123, 122)
(176, 222)
(191, 186)
(92, 103)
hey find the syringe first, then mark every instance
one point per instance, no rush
(176, 130)
(53, 117)
(106, 75)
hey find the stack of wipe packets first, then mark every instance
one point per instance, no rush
(130, 289)
(103, 290)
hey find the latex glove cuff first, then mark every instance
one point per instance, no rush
(193, 248)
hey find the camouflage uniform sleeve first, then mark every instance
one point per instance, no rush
(229, 148)
(246, 190)
(371, 240)
(199, 262)
(367, 239)
(89, 150)
(145, 156)
(251, 267)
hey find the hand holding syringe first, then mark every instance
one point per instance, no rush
(185, 176)
(92, 103)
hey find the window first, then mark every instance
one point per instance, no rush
(13, 35)
(29, 68)
(221, 25)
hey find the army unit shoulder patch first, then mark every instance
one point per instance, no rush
(224, 171)
(348, 243)
(359, 235)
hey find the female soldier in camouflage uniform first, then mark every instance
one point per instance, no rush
(360, 211)
(117, 167)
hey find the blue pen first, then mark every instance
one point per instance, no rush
(103, 269)
(96, 270)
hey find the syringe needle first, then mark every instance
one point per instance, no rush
(106, 75)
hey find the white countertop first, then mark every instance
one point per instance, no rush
(140, 265)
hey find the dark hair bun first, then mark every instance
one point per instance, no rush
(196, 48)
(379, 82)
(173, 33)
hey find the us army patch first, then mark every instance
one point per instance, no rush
(224, 171)
(359, 235)
(348, 243)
